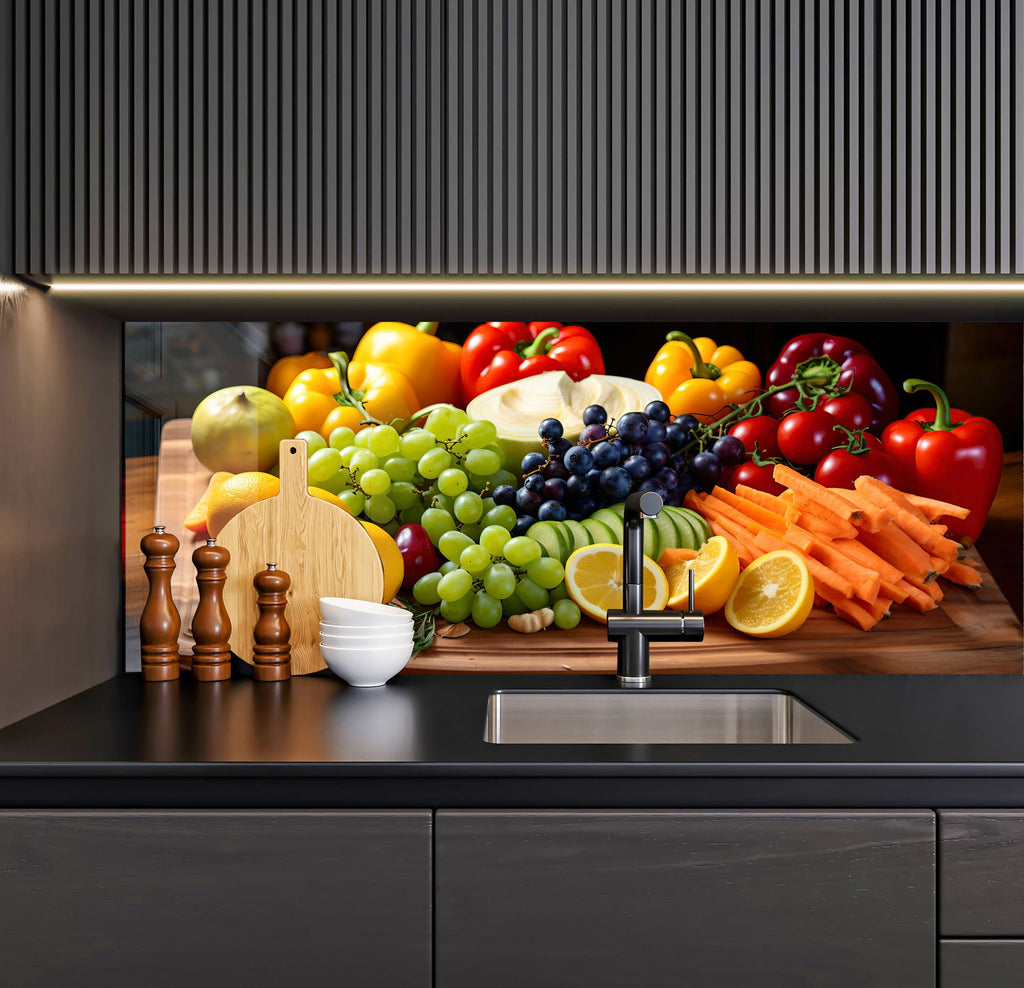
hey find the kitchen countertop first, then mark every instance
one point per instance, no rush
(921, 741)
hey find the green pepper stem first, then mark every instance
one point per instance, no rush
(540, 345)
(700, 368)
(427, 328)
(943, 419)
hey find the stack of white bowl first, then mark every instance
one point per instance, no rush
(362, 642)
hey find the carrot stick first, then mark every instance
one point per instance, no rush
(861, 554)
(933, 509)
(898, 548)
(798, 483)
(767, 517)
(964, 575)
(864, 581)
(829, 529)
(821, 574)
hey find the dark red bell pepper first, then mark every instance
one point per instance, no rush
(949, 455)
(860, 372)
(496, 353)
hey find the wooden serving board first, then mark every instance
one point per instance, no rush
(970, 632)
(324, 550)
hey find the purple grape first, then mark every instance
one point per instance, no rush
(577, 485)
(657, 453)
(553, 489)
(657, 411)
(556, 470)
(616, 482)
(504, 494)
(551, 511)
(594, 415)
(578, 459)
(550, 429)
(638, 467)
(657, 432)
(677, 435)
(729, 450)
(706, 469)
(532, 461)
(534, 483)
(527, 502)
(605, 455)
(593, 433)
(668, 477)
(632, 427)
(523, 524)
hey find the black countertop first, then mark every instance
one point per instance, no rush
(921, 741)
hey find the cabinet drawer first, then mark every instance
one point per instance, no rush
(981, 873)
(981, 963)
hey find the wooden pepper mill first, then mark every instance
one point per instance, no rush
(211, 626)
(271, 650)
(160, 622)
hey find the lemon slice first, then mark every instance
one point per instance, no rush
(772, 597)
(593, 577)
(715, 571)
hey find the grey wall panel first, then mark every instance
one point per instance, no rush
(519, 137)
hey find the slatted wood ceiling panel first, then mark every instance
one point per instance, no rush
(460, 137)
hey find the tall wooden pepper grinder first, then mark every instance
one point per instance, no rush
(211, 626)
(160, 622)
(271, 650)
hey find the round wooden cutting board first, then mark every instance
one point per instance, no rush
(324, 550)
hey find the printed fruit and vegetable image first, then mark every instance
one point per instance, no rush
(492, 476)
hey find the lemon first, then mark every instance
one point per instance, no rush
(772, 597)
(390, 557)
(715, 571)
(593, 578)
(239, 429)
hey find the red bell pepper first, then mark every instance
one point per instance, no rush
(860, 372)
(949, 455)
(496, 353)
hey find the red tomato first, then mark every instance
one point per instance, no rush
(807, 437)
(852, 409)
(751, 475)
(762, 430)
(841, 467)
(418, 553)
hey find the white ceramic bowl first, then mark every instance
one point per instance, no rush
(361, 666)
(348, 611)
(379, 640)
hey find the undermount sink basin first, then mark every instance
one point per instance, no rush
(655, 717)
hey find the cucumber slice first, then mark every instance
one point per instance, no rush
(548, 537)
(599, 531)
(612, 520)
(579, 535)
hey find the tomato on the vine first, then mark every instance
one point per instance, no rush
(842, 466)
(807, 437)
(851, 409)
(750, 474)
(761, 430)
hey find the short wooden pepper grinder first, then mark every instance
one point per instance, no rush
(271, 650)
(211, 626)
(160, 622)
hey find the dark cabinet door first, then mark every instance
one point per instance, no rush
(698, 898)
(215, 898)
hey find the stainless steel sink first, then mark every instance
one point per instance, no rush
(655, 717)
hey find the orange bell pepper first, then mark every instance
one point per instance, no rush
(285, 370)
(430, 364)
(371, 394)
(698, 377)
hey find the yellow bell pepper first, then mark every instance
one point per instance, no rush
(430, 364)
(285, 370)
(698, 377)
(371, 394)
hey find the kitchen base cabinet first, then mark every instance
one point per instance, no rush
(215, 898)
(981, 963)
(613, 898)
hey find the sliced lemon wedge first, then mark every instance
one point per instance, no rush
(593, 578)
